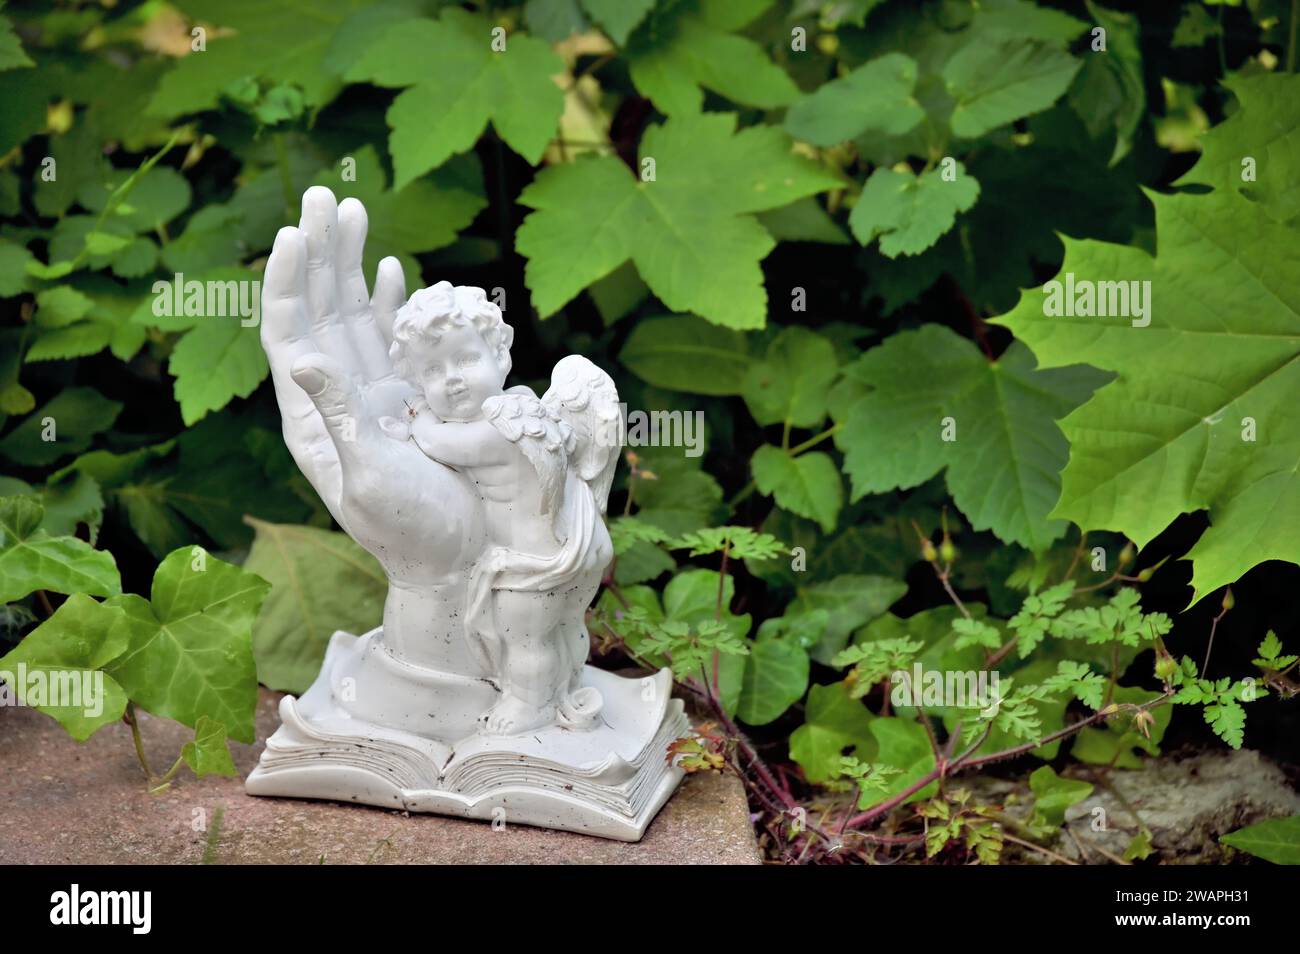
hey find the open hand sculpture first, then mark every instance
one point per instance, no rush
(327, 341)
(483, 505)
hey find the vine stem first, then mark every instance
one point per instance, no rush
(133, 721)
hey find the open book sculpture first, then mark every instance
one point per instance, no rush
(484, 505)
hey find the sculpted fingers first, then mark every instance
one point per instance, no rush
(369, 350)
(334, 392)
(285, 326)
(390, 295)
(320, 225)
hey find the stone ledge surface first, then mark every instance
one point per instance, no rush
(86, 803)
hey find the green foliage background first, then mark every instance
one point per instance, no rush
(809, 220)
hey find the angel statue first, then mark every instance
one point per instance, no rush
(543, 468)
(484, 505)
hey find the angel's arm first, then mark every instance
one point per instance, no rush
(475, 444)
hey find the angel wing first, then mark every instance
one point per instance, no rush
(543, 436)
(584, 398)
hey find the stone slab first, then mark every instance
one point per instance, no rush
(87, 803)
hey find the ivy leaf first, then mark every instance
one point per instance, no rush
(909, 213)
(903, 744)
(208, 753)
(1003, 462)
(690, 231)
(685, 353)
(31, 559)
(994, 83)
(850, 600)
(1162, 439)
(833, 721)
(190, 650)
(69, 420)
(1276, 840)
(1053, 794)
(791, 384)
(776, 675)
(61, 659)
(320, 582)
(807, 485)
(676, 58)
(445, 110)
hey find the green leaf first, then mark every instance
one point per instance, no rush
(1228, 720)
(1162, 440)
(681, 498)
(62, 658)
(909, 213)
(268, 40)
(1053, 794)
(421, 217)
(833, 721)
(1266, 131)
(1110, 92)
(1195, 26)
(1006, 449)
(1114, 744)
(685, 353)
(64, 425)
(673, 63)
(994, 83)
(776, 675)
(218, 360)
(14, 260)
(803, 221)
(807, 485)
(690, 231)
(445, 109)
(876, 99)
(190, 648)
(12, 55)
(208, 753)
(31, 559)
(903, 744)
(320, 582)
(1276, 840)
(618, 17)
(61, 306)
(850, 600)
(790, 385)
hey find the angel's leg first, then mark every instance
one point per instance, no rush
(536, 666)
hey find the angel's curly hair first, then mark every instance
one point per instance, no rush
(431, 311)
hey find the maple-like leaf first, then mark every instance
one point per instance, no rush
(680, 54)
(689, 230)
(929, 401)
(457, 83)
(1201, 415)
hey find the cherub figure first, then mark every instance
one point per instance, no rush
(543, 468)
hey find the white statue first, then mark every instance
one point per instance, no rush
(484, 506)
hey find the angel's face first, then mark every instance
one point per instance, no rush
(457, 373)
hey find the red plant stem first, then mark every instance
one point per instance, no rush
(964, 761)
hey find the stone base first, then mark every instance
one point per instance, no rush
(609, 780)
